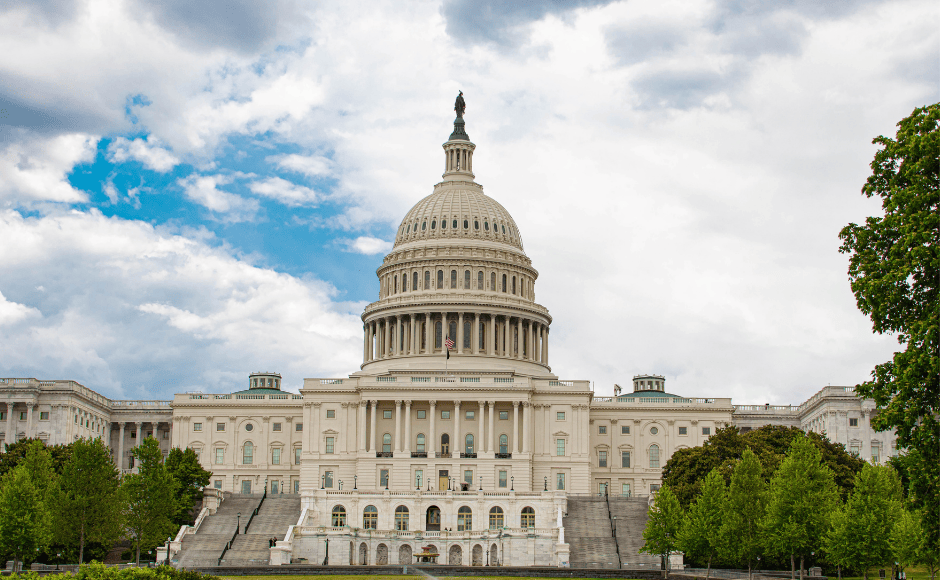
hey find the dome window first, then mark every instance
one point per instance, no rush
(466, 224)
(408, 231)
(433, 224)
(486, 226)
(424, 226)
(476, 224)
(504, 230)
(454, 225)
(444, 224)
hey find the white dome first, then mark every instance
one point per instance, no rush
(464, 213)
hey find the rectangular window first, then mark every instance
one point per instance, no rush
(276, 456)
(387, 414)
(624, 459)
(654, 487)
(297, 451)
(329, 445)
(602, 429)
(218, 427)
(875, 454)
(22, 415)
(504, 415)
(445, 414)
(277, 427)
(470, 415)
(503, 477)
(560, 481)
(625, 489)
(560, 416)
(855, 448)
(602, 459)
(683, 430)
(331, 413)
(853, 422)
(218, 484)
(327, 479)
(299, 427)
(706, 430)
(419, 477)
(422, 414)
(894, 449)
(166, 434)
(3, 415)
(654, 457)
(197, 426)
(468, 476)
(624, 429)
(296, 486)
(560, 447)
(44, 415)
(219, 456)
(383, 478)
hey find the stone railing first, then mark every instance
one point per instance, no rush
(140, 405)
(211, 398)
(438, 300)
(658, 401)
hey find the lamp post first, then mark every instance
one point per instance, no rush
(615, 525)
(417, 482)
(355, 477)
(341, 485)
(323, 481)
(512, 483)
(168, 540)
(238, 522)
(546, 484)
(481, 486)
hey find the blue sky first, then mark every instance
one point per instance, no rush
(191, 192)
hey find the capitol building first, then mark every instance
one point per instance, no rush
(455, 432)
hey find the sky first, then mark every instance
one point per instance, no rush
(192, 191)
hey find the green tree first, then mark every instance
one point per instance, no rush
(801, 499)
(25, 525)
(837, 543)
(185, 468)
(699, 536)
(906, 539)
(894, 270)
(87, 503)
(747, 498)
(869, 517)
(16, 452)
(150, 496)
(661, 535)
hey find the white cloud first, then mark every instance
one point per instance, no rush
(309, 165)
(132, 310)
(34, 168)
(12, 312)
(368, 245)
(290, 194)
(151, 155)
(204, 190)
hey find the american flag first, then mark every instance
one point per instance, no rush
(449, 343)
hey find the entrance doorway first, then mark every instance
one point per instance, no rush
(433, 520)
(443, 481)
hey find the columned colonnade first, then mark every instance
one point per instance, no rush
(412, 334)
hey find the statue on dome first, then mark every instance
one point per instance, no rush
(460, 106)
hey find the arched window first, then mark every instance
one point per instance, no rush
(414, 281)
(370, 517)
(654, 456)
(433, 224)
(504, 443)
(496, 518)
(408, 231)
(453, 278)
(466, 224)
(466, 279)
(424, 226)
(476, 224)
(387, 443)
(404, 282)
(469, 443)
(493, 281)
(248, 453)
(528, 517)
(504, 229)
(339, 516)
(513, 284)
(445, 444)
(444, 223)
(420, 446)
(437, 334)
(427, 280)
(452, 330)
(454, 225)
(480, 280)
(440, 279)
(504, 282)
(464, 519)
(401, 518)
(395, 286)
(486, 226)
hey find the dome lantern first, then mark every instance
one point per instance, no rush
(458, 151)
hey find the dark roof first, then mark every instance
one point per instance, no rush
(659, 394)
(259, 391)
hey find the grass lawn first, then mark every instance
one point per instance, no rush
(391, 577)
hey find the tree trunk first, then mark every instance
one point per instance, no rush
(801, 567)
(792, 567)
(839, 569)
(749, 576)
(865, 573)
(708, 570)
(138, 550)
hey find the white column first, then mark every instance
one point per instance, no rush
(140, 430)
(460, 333)
(480, 430)
(362, 426)
(396, 442)
(120, 453)
(387, 342)
(475, 334)
(545, 345)
(514, 438)
(432, 445)
(399, 338)
(412, 342)
(314, 434)
(456, 444)
(507, 343)
(428, 334)
(526, 427)
(491, 409)
(10, 436)
(374, 437)
(407, 445)
(365, 343)
(491, 341)
(519, 338)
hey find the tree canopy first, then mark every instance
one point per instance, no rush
(742, 530)
(184, 466)
(894, 271)
(661, 535)
(698, 536)
(150, 498)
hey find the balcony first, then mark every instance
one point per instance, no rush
(443, 455)
(504, 456)
(468, 455)
(384, 454)
(418, 454)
